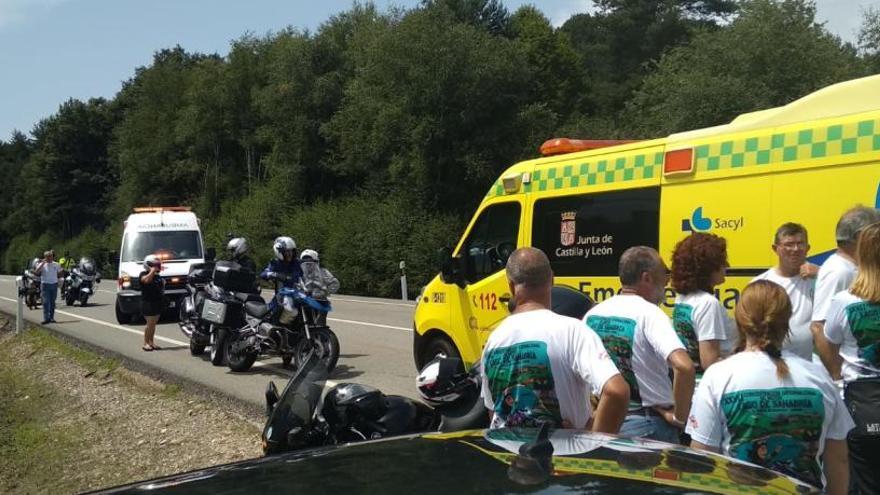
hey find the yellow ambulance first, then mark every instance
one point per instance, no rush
(804, 162)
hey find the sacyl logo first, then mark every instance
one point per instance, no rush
(699, 223)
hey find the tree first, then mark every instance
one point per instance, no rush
(869, 39)
(436, 109)
(147, 151)
(773, 53)
(67, 181)
(618, 42)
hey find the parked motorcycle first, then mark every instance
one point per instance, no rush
(351, 412)
(80, 283)
(30, 289)
(197, 330)
(221, 310)
(297, 419)
(287, 327)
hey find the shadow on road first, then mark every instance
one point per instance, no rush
(352, 356)
(344, 372)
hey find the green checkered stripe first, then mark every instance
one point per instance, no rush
(601, 170)
(790, 147)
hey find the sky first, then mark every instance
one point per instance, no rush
(53, 50)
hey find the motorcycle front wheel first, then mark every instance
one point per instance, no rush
(218, 347)
(84, 300)
(69, 299)
(325, 345)
(196, 349)
(238, 360)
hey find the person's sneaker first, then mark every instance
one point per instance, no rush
(44, 322)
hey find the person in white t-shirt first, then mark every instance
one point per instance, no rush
(699, 262)
(643, 344)
(839, 270)
(791, 247)
(539, 366)
(851, 341)
(770, 407)
(49, 271)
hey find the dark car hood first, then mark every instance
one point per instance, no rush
(478, 462)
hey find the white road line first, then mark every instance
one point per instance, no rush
(405, 305)
(379, 325)
(141, 333)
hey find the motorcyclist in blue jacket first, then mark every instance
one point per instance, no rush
(285, 268)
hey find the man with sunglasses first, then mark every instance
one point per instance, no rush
(643, 345)
(791, 246)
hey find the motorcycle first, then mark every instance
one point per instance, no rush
(288, 327)
(80, 284)
(197, 330)
(351, 412)
(30, 288)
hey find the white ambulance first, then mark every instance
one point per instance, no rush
(172, 234)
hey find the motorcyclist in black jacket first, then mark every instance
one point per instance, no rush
(237, 248)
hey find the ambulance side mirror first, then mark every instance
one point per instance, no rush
(210, 254)
(450, 268)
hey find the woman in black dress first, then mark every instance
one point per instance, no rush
(152, 298)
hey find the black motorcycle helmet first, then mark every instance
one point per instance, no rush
(346, 402)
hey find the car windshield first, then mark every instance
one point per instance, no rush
(167, 245)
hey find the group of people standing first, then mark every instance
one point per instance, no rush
(286, 268)
(763, 396)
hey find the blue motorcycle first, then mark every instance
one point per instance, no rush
(290, 326)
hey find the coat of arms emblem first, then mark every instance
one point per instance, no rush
(567, 226)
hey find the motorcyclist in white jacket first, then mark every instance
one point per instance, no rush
(318, 281)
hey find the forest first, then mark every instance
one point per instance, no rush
(373, 138)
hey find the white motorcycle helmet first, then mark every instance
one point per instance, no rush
(441, 381)
(237, 247)
(151, 260)
(283, 245)
(309, 255)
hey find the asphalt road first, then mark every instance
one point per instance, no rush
(375, 339)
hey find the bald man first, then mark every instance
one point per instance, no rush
(539, 366)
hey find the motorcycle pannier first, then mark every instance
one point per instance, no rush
(214, 311)
(233, 277)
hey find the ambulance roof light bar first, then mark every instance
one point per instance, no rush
(160, 209)
(561, 146)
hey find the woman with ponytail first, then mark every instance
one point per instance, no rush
(850, 345)
(771, 407)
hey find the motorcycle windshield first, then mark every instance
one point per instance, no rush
(297, 403)
(303, 298)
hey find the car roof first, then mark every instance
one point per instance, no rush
(480, 462)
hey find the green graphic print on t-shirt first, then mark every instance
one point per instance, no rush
(521, 384)
(777, 428)
(683, 322)
(864, 322)
(617, 335)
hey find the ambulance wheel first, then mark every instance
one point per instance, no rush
(122, 317)
(436, 346)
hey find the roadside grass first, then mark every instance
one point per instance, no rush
(32, 448)
(72, 420)
(41, 340)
